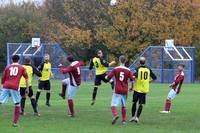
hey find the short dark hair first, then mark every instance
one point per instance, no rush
(181, 65)
(27, 60)
(70, 58)
(98, 50)
(122, 59)
(15, 58)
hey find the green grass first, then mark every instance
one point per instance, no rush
(184, 115)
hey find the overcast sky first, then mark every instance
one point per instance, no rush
(19, 1)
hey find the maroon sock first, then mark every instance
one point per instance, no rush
(123, 113)
(167, 105)
(71, 106)
(64, 89)
(16, 114)
(114, 111)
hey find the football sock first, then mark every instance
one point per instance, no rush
(139, 111)
(94, 93)
(167, 105)
(114, 111)
(22, 104)
(123, 113)
(63, 90)
(33, 103)
(48, 97)
(71, 106)
(37, 96)
(134, 106)
(16, 113)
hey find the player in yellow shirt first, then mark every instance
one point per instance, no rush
(101, 66)
(44, 81)
(31, 70)
(144, 76)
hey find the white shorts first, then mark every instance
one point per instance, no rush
(118, 99)
(6, 93)
(71, 89)
(172, 94)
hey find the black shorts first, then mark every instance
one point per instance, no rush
(100, 78)
(44, 85)
(141, 97)
(23, 91)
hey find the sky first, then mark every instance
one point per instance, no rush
(3, 2)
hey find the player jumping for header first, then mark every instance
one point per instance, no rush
(72, 83)
(122, 74)
(143, 76)
(10, 81)
(31, 70)
(101, 66)
(175, 88)
(44, 82)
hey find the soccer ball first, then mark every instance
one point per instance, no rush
(113, 2)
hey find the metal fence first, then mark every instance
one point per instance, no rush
(164, 66)
(157, 59)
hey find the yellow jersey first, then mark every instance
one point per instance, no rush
(45, 68)
(101, 65)
(31, 70)
(143, 76)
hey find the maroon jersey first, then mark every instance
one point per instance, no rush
(121, 74)
(179, 78)
(12, 76)
(74, 73)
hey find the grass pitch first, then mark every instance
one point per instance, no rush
(184, 116)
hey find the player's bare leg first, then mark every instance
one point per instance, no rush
(94, 94)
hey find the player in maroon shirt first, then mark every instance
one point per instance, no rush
(122, 74)
(10, 81)
(72, 83)
(175, 88)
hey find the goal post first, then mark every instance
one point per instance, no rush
(57, 54)
(163, 60)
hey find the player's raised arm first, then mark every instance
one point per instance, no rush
(64, 70)
(104, 62)
(112, 63)
(91, 65)
(41, 66)
(110, 75)
(36, 71)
